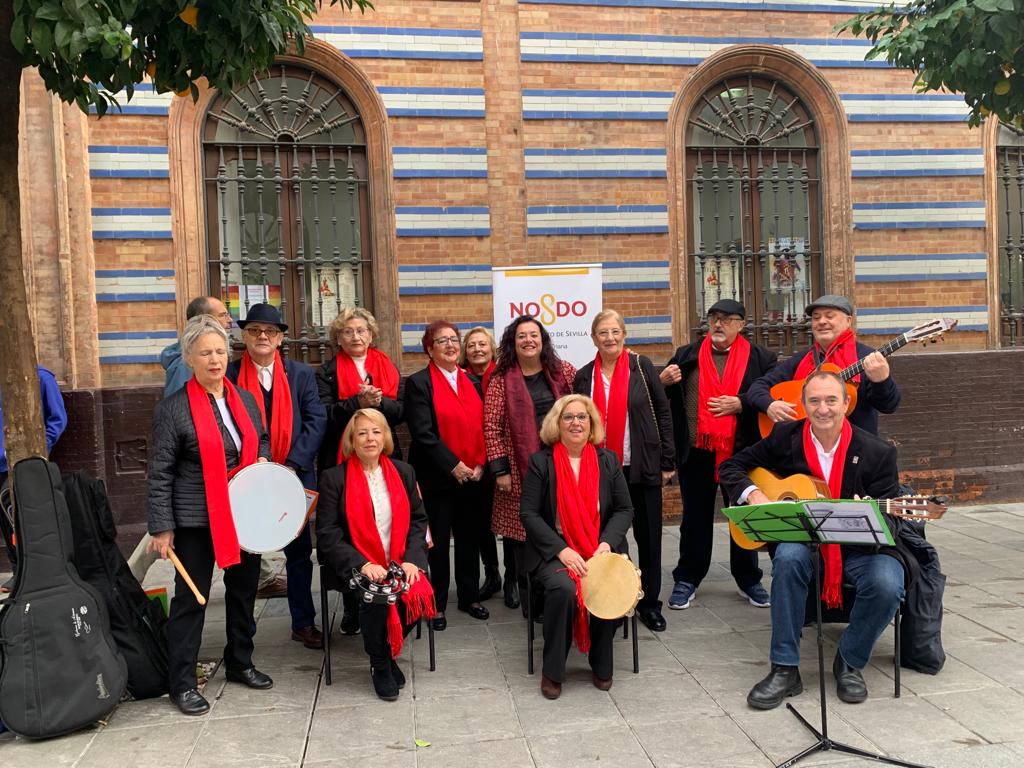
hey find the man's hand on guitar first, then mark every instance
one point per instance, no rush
(780, 410)
(876, 367)
(757, 497)
(726, 405)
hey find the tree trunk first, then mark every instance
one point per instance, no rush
(19, 382)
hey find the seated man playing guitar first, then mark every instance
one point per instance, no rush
(834, 342)
(854, 463)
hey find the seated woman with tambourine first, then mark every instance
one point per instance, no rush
(369, 515)
(575, 505)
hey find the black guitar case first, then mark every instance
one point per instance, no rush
(61, 667)
(136, 622)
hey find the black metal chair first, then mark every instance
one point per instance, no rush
(329, 582)
(530, 630)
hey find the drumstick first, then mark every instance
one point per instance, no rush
(184, 575)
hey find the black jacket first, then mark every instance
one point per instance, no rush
(333, 540)
(872, 398)
(687, 358)
(429, 456)
(870, 468)
(177, 493)
(340, 411)
(539, 501)
(650, 421)
(309, 418)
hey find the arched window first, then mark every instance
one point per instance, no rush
(286, 198)
(1010, 183)
(755, 230)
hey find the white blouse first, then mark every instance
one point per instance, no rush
(381, 505)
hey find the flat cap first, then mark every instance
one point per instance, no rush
(728, 307)
(830, 301)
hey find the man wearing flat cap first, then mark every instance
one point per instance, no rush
(834, 342)
(286, 393)
(706, 383)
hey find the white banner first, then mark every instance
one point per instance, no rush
(563, 298)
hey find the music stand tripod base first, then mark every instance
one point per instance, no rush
(769, 530)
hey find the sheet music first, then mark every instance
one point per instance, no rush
(849, 522)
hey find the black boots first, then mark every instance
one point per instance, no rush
(850, 685)
(491, 585)
(780, 683)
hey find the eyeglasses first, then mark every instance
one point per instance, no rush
(270, 333)
(349, 333)
(609, 333)
(569, 418)
(723, 319)
(442, 340)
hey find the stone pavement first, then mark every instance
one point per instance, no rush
(686, 707)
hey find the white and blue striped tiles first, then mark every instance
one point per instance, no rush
(917, 267)
(128, 162)
(919, 215)
(113, 285)
(134, 347)
(796, 6)
(131, 223)
(891, 321)
(443, 279)
(403, 42)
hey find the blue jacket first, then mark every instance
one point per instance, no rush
(309, 418)
(55, 418)
(176, 373)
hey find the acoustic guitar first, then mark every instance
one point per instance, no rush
(805, 487)
(790, 391)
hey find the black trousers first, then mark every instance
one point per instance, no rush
(699, 488)
(484, 534)
(373, 624)
(194, 548)
(560, 607)
(647, 531)
(453, 512)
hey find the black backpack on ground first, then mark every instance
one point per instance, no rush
(61, 667)
(136, 621)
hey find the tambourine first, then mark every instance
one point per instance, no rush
(611, 588)
(384, 592)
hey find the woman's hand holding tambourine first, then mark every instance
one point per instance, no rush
(374, 572)
(574, 561)
(412, 572)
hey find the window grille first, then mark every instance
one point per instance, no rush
(1010, 256)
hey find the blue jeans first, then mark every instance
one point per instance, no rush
(877, 578)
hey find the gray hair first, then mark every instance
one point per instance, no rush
(198, 326)
(203, 305)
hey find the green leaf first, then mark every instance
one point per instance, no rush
(422, 743)
(42, 38)
(18, 34)
(62, 33)
(50, 11)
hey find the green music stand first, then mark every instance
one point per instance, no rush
(814, 523)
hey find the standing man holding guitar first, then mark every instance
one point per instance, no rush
(706, 383)
(854, 463)
(834, 342)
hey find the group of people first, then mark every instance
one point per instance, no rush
(508, 439)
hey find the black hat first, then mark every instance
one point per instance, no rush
(263, 313)
(830, 301)
(728, 307)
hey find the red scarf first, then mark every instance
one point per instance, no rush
(362, 526)
(487, 376)
(380, 371)
(718, 433)
(615, 410)
(832, 591)
(842, 352)
(281, 405)
(215, 468)
(581, 521)
(460, 417)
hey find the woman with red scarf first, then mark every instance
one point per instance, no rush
(575, 504)
(477, 360)
(369, 515)
(445, 414)
(527, 380)
(359, 376)
(638, 425)
(202, 435)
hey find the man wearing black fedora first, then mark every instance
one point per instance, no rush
(295, 418)
(706, 383)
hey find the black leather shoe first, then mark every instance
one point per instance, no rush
(653, 620)
(850, 685)
(780, 683)
(349, 623)
(191, 702)
(511, 590)
(251, 677)
(440, 623)
(396, 672)
(491, 585)
(384, 684)
(477, 611)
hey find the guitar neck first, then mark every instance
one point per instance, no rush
(886, 349)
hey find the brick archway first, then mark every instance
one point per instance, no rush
(821, 99)
(188, 206)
